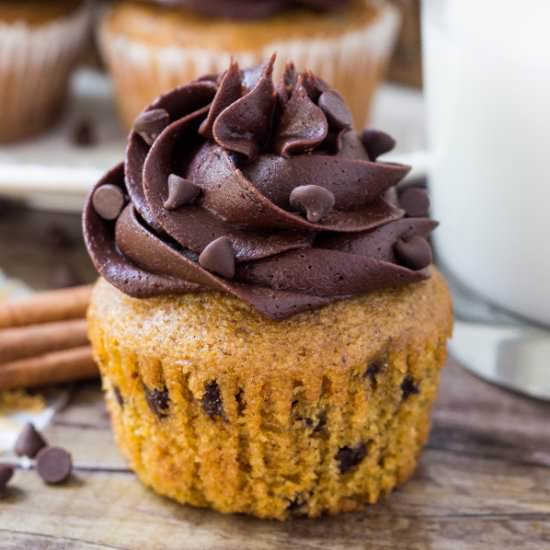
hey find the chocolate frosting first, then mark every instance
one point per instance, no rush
(260, 191)
(250, 9)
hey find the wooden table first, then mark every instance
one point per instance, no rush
(483, 480)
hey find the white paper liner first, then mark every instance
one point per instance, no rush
(353, 63)
(35, 65)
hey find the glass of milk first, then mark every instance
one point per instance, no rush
(487, 85)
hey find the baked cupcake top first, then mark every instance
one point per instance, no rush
(234, 184)
(250, 9)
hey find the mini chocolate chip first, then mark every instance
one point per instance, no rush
(219, 257)
(108, 201)
(158, 401)
(180, 192)
(336, 110)
(6, 473)
(377, 143)
(316, 201)
(414, 253)
(150, 124)
(349, 457)
(415, 201)
(29, 442)
(118, 396)
(84, 134)
(408, 387)
(212, 403)
(54, 465)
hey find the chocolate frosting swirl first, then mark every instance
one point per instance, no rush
(265, 192)
(251, 9)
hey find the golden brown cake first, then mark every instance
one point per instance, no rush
(268, 325)
(151, 49)
(40, 42)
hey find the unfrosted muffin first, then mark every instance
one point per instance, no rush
(268, 326)
(151, 47)
(40, 42)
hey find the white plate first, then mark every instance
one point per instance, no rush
(53, 173)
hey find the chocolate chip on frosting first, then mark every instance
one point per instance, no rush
(219, 257)
(377, 142)
(108, 201)
(336, 109)
(54, 465)
(150, 124)
(349, 457)
(29, 442)
(315, 200)
(415, 253)
(415, 201)
(181, 192)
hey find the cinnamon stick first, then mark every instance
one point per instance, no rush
(46, 307)
(35, 340)
(52, 368)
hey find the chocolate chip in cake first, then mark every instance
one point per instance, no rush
(108, 201)
(158, 401)
(118, 396)
(84, 134)
(349, 457)
(150, 124)
(181, 192)
(212, 403)
(414, 253)
(315, 200)
(297, 506)
(415, 201)
(241, 403)
(319, 425)
(335, 109)
(409, 387)
(54, 465)
(377, 143)
(6, 473)
(29, 442)
(219, 257)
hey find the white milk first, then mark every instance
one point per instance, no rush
(487, 71)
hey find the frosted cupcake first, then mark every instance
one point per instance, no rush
(40, 43)
(152, 47)
(268, 326)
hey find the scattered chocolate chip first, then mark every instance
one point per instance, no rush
(54, 465)
(316, 201)
(29, 442)
(212, 403)
(65, 276)
(297, 505)
(108, 201)
(408, 387)
(415, 201)
(349, 457)
(181, 192)
(118, 396)
(336, 110)
(6, 473)
(377, 143)
(84, 134)
(158, 401)
(150, 124)
(219, 257)
(414, 253)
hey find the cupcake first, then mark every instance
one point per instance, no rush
(267, 323)
(40, 43)
(152, 47)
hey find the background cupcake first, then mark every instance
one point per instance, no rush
(153, 47)
(40, 43)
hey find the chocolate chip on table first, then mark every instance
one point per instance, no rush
(212, 403)
(150, 124)
(6, 473)
(315, 200)
(414, 253)
(29, 442)
(108, 201)
(158, 401)
(377, 143)
(219, 257)
(409, 387)
(349, 457)
(83, 134)
(335, 109)
(415, 201)
(54, 465)
(181, 192)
